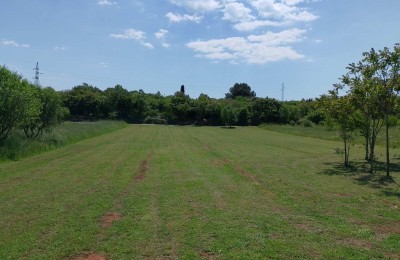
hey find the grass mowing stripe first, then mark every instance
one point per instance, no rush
(189, 192)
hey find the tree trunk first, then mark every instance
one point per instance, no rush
(345, 153)
(367, 158)
(387, 146)
(372, 155)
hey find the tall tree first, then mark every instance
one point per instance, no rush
(240, 89)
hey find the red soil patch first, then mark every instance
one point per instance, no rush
(248, 175)
(143, 168)
(109, 218)
(208, 255)
(392, 228)
(91, 256)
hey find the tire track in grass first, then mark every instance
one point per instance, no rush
(114, 214)
(140, 171)
(275, 208)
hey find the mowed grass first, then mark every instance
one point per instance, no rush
(196, 192)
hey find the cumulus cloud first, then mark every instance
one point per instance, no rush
(13, 43)
(197, 5)
(254, 49)
(161, 35)
(132, 34)
(246, 15)
(106, 2)
(237, 12)
(286, 10)
(177, 18)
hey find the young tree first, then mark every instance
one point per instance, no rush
(375, 83)
(367, 98)
(340, 112)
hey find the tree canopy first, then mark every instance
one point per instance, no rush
(240, 90)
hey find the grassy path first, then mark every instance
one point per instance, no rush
(187, 192)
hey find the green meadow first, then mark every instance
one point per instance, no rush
(160, 192)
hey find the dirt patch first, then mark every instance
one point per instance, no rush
(220, 163)
(392, 256)
(391, 228)
(246, 174)
(219, 200)
(207, 254)
(143, 167)
(91, 256)
(356, 243)
(340, 194)
(109, 219)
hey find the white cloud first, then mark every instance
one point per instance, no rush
(13, 43)
(132, 34)
(161, 35)
(104, 65)
(252, 25)
(237, 12)
(106, 2)
(254, 49)
(59, 48)
(286, 10)
(197, 6)
(177, 18)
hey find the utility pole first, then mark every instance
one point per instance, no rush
(37, 73)
(283, 92)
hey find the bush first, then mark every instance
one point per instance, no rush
(305, 122)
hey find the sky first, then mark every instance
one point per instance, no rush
(206, 45)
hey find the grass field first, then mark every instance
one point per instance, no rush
(197, 192)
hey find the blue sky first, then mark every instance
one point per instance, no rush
(207, 45)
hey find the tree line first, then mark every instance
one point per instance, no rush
(35, 110)
(239, 107)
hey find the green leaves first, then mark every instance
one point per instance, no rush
(25, 106)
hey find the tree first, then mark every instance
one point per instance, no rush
(180, 108)
(47, 112)
(84, 101)
(374, 81)
(228, 116)
(240, 89)
(15, 97)
(340, 112)
(243, 117)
